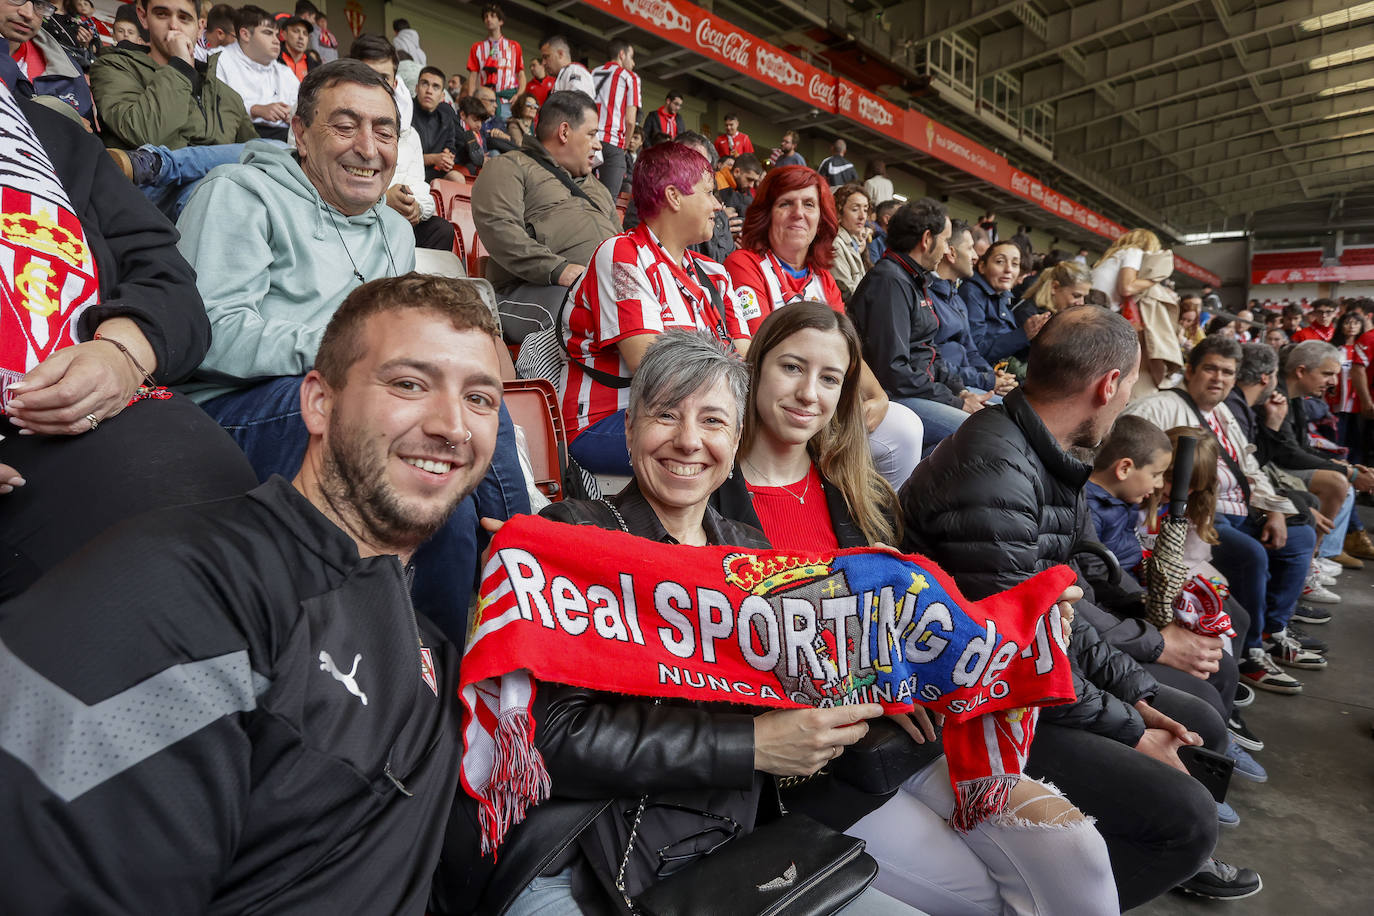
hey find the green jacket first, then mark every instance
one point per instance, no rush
(172, 106)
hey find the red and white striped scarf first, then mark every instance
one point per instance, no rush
(47, 270)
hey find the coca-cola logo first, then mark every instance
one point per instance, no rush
(732, 46)
(846, 101)
(661, 13)
(873, 110)
(777, 68)
(822, 89)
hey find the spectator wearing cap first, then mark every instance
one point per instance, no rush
(295, 46)
(42, 60)
(250, 67)
(322, 41)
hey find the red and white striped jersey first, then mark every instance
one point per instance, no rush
(762, 286)
(617, 91)
(498, 62)
(632, 288)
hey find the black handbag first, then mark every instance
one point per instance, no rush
(792, 866)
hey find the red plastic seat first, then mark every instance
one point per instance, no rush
(533, 406)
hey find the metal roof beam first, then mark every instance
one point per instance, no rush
(1257, 180)
(1132, 61)
(932, 19)
(1012, 49)
(1225, 141)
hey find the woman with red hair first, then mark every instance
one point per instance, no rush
(785, 251)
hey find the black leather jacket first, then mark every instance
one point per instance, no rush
(603, 752)
(1000, 501)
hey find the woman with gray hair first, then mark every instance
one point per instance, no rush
(705, 772)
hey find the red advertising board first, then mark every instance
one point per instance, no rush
(705, 33)
(1312, 275)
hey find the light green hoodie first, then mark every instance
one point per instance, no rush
(273, 261)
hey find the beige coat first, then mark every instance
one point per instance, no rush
(849, 267)
(531, 224)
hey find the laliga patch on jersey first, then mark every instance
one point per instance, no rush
(748, 302)
(427, 670)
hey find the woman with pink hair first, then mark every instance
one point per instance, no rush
(639, 284)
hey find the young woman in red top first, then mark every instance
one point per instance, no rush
(784, 256)
(804, 477)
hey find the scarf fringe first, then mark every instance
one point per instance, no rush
(976, 800)
(519, 779)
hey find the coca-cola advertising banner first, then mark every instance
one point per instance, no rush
(707, 34)
(1312, 275)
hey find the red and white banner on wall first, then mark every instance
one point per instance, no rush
(705, 33)
(1362, 272)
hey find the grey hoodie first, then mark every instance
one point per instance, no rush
(273, 261)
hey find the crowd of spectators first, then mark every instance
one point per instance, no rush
(729, 331)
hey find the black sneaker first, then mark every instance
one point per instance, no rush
(1242, 734)
(1245, 695)
(1313, 615)
(1219, 881)
(1310, 643)
(1286, 651)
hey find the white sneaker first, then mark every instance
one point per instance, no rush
(1328, 566)
(1316, 591)
(1320, 577)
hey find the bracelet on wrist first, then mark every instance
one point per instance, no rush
(143, 374)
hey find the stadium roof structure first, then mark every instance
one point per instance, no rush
(1184, 116)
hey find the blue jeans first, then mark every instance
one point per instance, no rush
(1334, 543)
(182, 169)
(1266, 582)
(940, 420)
(601, 447)
(265, 421)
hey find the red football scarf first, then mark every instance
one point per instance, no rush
(667, 122)
(609, 611)
(47, 270)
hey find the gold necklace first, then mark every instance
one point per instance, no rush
(768, 483)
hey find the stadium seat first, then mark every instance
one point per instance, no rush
(533, 406)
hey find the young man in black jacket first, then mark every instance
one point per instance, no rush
(232, 706)
(1003, 500)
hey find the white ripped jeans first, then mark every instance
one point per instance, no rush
(1004, 866)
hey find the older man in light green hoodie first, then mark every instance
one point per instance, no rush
(277, 242)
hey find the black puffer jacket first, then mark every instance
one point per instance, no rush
(1000, 501)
